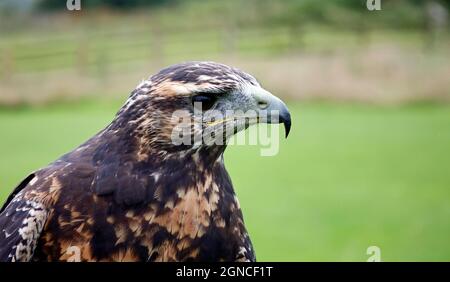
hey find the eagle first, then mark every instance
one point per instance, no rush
(133, 192)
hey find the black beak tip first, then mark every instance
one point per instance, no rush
(285, 118)
(287, 127)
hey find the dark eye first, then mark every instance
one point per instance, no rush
(203, 102)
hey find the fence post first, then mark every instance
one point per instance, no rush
(230, 39)
(157, 45)
(7, 64)
(81, 58)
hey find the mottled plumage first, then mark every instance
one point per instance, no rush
(129, 193)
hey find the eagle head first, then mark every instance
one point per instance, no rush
(196, 105)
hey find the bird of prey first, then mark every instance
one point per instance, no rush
(130, 193)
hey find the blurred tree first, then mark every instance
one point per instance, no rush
(348, 14)
(436, 20)
(120, 4)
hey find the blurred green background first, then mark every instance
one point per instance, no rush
(368, 159)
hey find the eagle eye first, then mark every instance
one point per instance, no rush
(203, 102)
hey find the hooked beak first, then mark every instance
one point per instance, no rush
(272, 109)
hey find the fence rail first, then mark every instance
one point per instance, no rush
(84, 51)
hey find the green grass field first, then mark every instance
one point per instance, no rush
(348, 177)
